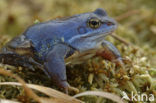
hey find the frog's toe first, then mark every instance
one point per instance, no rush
(29, 67)
(70, 88)
(34, 63)
(119, 62)
(65, 85)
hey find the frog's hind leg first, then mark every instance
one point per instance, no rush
(18, 60)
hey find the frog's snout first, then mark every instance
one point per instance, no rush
(110, 23)
(113, 23)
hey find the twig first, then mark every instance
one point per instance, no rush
(127, 14)
(121, 17)
(120, 39)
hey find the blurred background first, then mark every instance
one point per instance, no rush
(136, 18)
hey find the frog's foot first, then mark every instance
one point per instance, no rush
(66, 87)
(33, 63)
(109, 52)
(119, 62)
(18, 60)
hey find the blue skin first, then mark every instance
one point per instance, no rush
(53, 41)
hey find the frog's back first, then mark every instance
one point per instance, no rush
(45, 35)
(54, 29)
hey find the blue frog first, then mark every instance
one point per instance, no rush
(53, 44)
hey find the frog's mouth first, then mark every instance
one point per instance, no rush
(99, 34)
(94, 35)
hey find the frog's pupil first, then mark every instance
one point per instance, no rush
(94, 22)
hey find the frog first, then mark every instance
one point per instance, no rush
(53, 44)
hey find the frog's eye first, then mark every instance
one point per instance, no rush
(94, 23)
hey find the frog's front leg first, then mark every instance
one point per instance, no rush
(110, 52)
(55, 65)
